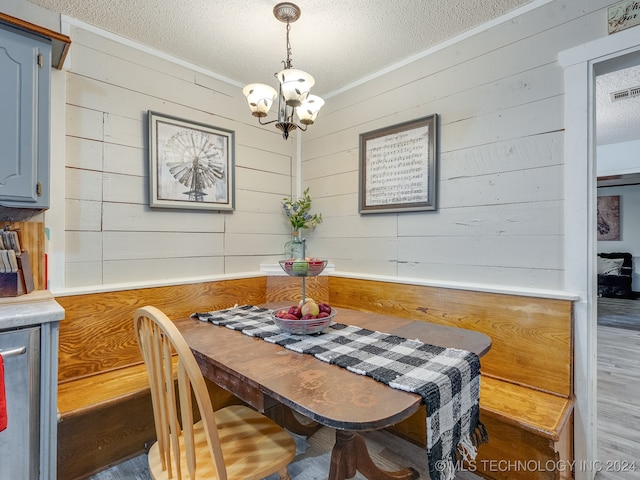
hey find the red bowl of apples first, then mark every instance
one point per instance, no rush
(305, 319)
(303, 267)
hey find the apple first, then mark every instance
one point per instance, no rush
(300, 266)
(324, 307)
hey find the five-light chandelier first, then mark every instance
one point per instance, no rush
(293, 91)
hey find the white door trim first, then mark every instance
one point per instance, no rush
(580, 241)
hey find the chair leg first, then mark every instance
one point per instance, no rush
(284, 474)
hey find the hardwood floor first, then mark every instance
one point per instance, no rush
(619, 312)
(312, 460)
(135, 469)
(618, 403)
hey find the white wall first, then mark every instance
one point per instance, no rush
(112, 235)
(618, 158)
(629, 227)
(499, 95)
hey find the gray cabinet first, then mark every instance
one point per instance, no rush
(29, 332)
(25, 73)
(20, 442)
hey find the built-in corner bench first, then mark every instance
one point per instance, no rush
(526, 397)
(104, 403)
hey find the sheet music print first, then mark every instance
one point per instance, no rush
(397, 168)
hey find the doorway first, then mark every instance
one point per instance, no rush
(617, 141)
(580, 250)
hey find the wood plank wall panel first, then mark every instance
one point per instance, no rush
(505, 318)
(110, 89)
(97, 333)
(289, 289)
(499, 96)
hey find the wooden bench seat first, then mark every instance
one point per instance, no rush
(104, 400)
(526, 395)
(76, 396)
(541, 413)
(527, 384)
(104, 419)
(530, 429)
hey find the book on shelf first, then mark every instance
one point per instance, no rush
(16, 276)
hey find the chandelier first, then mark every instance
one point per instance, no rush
(294, 86)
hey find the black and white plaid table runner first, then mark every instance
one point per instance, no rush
(447, 379)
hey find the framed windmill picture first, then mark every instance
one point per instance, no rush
(191, 165)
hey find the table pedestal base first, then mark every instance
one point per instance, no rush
(285, 417)
(350, 455)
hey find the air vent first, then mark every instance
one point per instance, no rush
(624, 94)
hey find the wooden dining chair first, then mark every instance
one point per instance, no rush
(235, 442)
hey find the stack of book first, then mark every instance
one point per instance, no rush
(9, 251)
(16, 277)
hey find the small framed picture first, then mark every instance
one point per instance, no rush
(398, 167)
(191, 165)
(608, 210)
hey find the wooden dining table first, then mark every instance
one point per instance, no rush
(277, 381)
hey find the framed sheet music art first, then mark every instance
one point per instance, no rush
(398, 167)
(191, 165)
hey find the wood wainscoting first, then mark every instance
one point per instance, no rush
(284, 288)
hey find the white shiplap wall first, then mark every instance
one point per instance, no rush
(112, 236)
(499, 96)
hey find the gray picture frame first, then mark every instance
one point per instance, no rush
(398, 167)
(608, 218)
(191, 164)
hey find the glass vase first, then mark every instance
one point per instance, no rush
(294, 247)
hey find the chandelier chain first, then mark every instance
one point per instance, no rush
(288, 63)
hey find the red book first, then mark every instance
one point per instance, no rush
(3, 398)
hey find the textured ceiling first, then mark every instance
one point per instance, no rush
(337, 41)
(617, 120)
